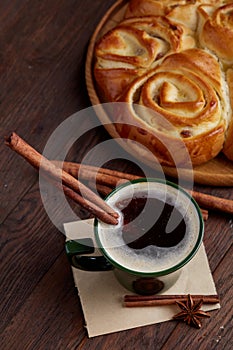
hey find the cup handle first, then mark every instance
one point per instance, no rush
(76, 249)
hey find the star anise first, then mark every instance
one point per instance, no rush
(191, 312)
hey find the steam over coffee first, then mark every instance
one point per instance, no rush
(158, 227)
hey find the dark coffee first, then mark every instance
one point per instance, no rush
(158, 227)
(150, 221)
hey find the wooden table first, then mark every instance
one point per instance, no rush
(43, 47)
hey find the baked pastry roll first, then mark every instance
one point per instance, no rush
(181, 11)
(139, 8)
(186, 99)
(216, 30)
(133, 47)
(174, 59)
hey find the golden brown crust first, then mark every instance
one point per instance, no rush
(173, 58)
(184, 104)
(132, 48)
(113, 82)
(140, 8)
(216, 30)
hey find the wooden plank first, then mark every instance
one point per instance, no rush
(216, 332)
(30, 245)
(51, 317)
(148, 337)
(42, 64)
(43, 46)
(218, 237)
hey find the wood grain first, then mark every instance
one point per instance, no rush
(216, 172)
(213, 336)
(46, 311)
(43, 48)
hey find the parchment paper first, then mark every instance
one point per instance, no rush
(101, 294)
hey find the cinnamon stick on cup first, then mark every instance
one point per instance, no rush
(204, 200)
(95, 204)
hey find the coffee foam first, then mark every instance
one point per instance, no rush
(152, 258)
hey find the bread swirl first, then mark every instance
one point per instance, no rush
(141, 8)
(216, 30)
(189, 103)
(133, 47)
(172, 63)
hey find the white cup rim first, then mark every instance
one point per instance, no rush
(173, 268)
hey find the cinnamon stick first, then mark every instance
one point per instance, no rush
(159, 300)
(102, 189)
(205, 214)
(105, 190)
(16, 143)
(211, 202)
(89, 206)
(91, 173)
(73, 168)
(204, 200)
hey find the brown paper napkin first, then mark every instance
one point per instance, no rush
(101, 294)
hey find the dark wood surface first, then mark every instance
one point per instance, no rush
(43, 47)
